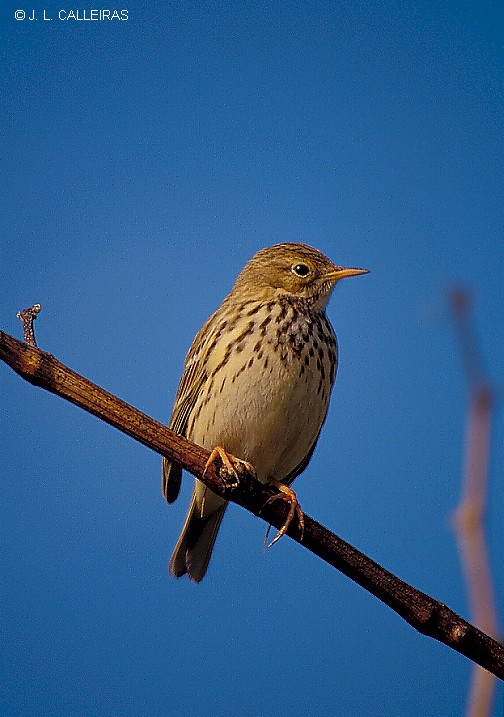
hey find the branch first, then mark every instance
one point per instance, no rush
(428, 616)
(27, 317)
(469, 515)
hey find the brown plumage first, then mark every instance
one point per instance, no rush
(256, 383)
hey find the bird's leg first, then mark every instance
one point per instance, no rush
(288, 495)
(233, 466)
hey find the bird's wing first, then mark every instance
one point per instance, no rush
(191, 383)
(304, 463)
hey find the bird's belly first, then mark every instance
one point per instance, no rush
(267, 411)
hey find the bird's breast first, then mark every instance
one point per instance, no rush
(266, 395)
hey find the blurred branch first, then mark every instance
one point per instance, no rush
(428, 616)
(469, 514)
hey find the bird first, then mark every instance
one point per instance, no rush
(255, 387)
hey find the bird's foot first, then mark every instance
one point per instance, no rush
(232, 466)
(288, 495)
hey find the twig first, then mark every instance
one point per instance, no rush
(27, 317)
(469, 514)
(425, 614)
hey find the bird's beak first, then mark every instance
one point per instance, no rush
(340, 272)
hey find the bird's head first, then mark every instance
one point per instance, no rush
(295, 271)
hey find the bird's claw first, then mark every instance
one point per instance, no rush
(231, 466)
(288, 495)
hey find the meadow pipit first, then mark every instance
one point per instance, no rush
(256, 385)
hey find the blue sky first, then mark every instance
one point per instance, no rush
(144, 162)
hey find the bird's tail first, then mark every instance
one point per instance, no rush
(194, 547)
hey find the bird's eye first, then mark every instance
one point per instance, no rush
(301, 269)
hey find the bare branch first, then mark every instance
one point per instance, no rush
(27, 317)
(425, 614)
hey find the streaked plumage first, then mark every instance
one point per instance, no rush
(257, 382)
